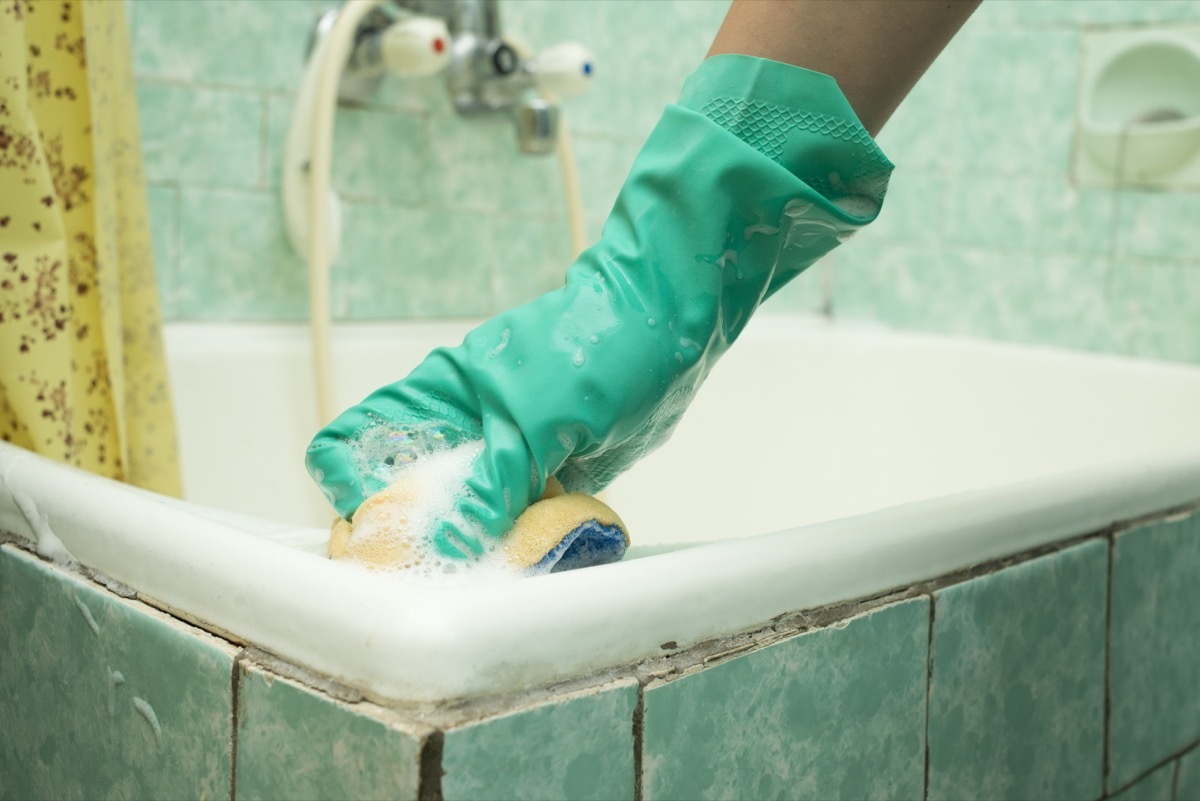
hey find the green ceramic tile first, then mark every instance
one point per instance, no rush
(922, 288)
(806, 293)
(378, 153)
(235, 260)
(1160, 225)
(1187, 786)
(402, 263)
(1162, 300)
(1056, 300)
(1017, 213)
(205, 136)
(627, 95)
(836, 713)
(1030, 73)
(918, 288)
(259, 44)
(1159, 785)
(163, 203)
(104, 698)
(911, 212)
(1092, 12)
(1068, 301)
(1016, 696)
(294, 743)
(908, 138)
(603, 163)
(474, 163)
(529, 258)
(425, 94)
(581, 748)
(1155, 646)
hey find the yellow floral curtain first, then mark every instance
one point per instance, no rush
(82, 370)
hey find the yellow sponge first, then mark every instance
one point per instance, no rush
(562, 531)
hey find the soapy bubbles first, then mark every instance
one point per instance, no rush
(420, 470)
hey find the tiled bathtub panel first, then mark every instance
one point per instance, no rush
(295, 744)
(1187, 787)
(1016, 696)
(1159, 785)
(1155, 646)
(581, 748)
(836, 713)
(102, 698)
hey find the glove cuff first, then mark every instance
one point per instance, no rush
(797, 118)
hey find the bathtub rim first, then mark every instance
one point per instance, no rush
(405, 643)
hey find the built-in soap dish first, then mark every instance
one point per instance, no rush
(1139, 109)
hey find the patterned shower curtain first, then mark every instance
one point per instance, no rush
(82, 371)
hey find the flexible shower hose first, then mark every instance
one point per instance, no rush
(333, 52)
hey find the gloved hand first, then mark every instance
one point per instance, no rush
(758, 171)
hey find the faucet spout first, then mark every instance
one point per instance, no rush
(537, 125)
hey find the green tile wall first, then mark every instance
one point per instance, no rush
(837, 713)
(294, 743)
(984, 233)
(570, 750)
(1155, 646)
(443, 216)
(1016, 694)
(1007, 246)
(103, 698)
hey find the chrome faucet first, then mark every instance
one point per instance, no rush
(485, 72)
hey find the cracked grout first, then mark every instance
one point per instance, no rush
(639, 743)
(235, 705)
(929, 684)
(431, 770)
(1106, 731)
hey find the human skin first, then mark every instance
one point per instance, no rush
(875, 49)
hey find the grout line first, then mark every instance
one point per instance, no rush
(264, 145)
(929, 685)
(235, 695)
(639, 741)
(1174, 755)
(429, 784)
(1108, 617)
(1175, 779)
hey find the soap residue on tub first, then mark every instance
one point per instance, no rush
(87, 615)
(424, 474)
(48, 543)
(147, 712)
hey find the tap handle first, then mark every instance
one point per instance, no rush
(564, 70)
(416, 46)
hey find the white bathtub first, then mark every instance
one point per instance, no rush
(821, 463)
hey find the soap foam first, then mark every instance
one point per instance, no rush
(858, 205)
(424, 472)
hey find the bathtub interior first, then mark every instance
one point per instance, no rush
(804, 421)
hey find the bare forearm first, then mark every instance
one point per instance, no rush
(875, 49)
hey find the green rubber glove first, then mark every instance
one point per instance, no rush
(757, 172)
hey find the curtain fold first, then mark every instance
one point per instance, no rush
(82, 370)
